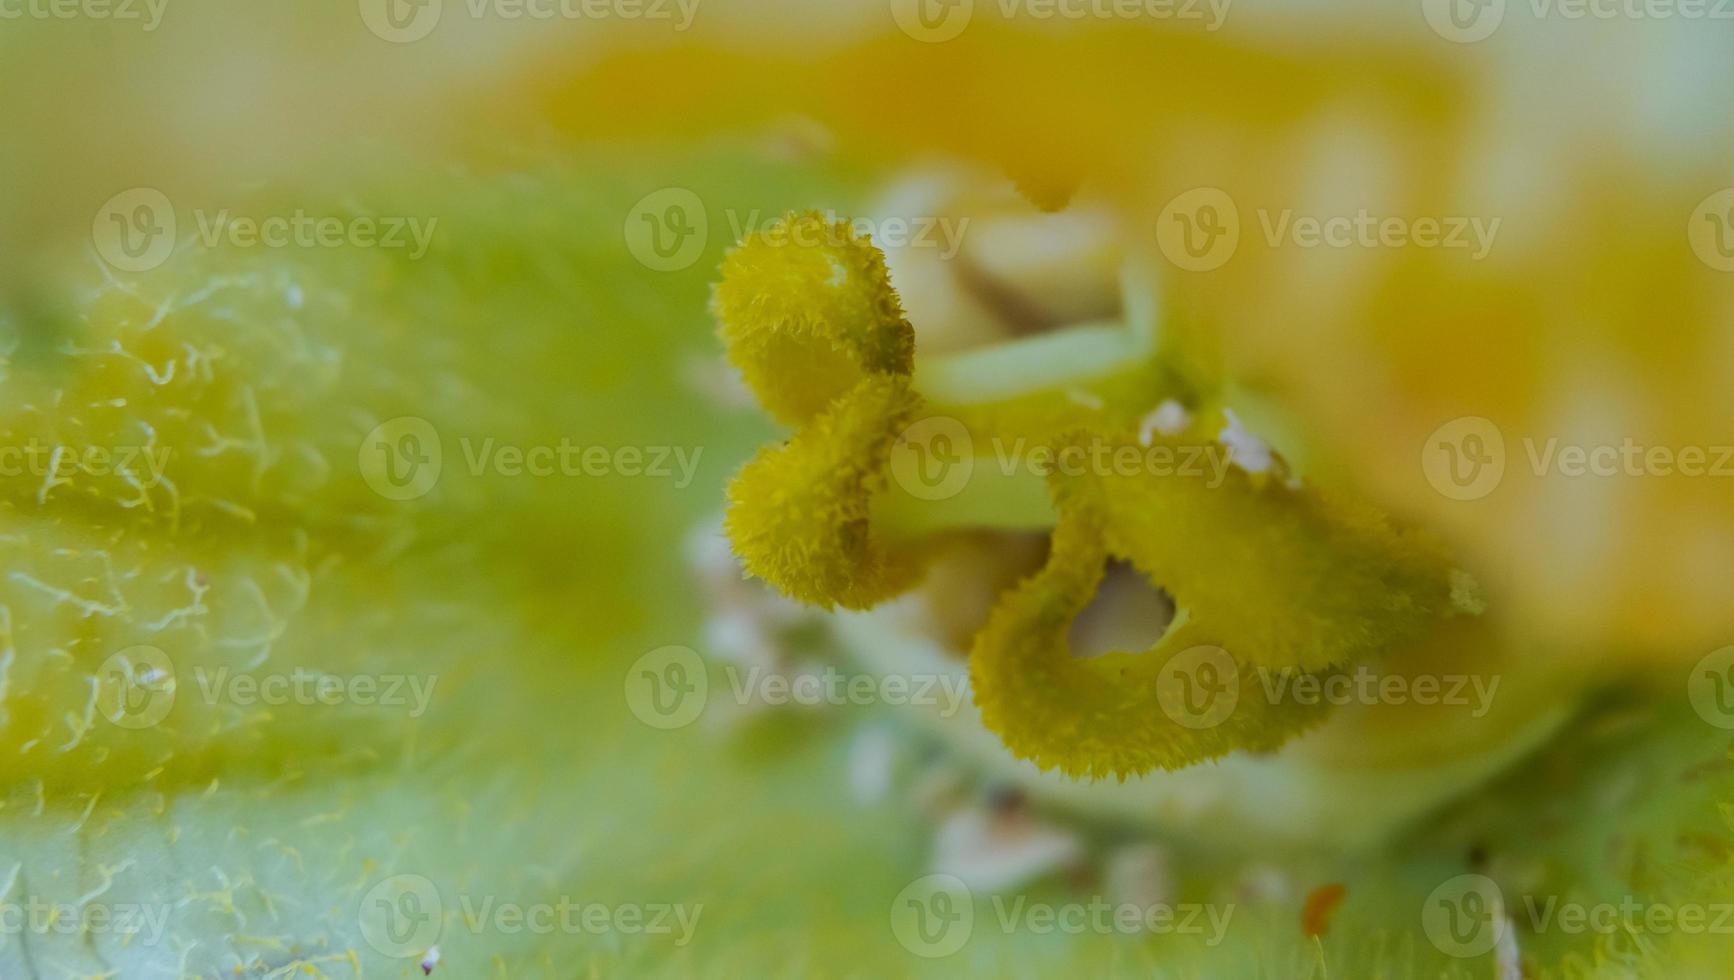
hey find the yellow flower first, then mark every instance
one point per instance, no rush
(1275, 574)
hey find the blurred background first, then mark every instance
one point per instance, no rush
(365, 434)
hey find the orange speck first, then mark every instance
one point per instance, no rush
(1321, 902)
